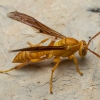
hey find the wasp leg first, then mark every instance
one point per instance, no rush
(23, 64)
(50, 44)
(57, 60)
(32, 45)
(16, 67)
(76, 62)
(37, 60)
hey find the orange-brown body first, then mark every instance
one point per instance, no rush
(72, 46)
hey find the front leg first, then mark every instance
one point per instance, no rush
(76, 62)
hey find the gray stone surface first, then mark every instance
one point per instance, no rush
(72, 18)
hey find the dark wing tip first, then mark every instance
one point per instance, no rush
(10, 51)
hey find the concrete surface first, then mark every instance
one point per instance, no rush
(73, 18)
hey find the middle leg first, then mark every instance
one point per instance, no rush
(43, 41)
(32, 45)
(57, 60)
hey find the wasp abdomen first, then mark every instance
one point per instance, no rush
(27, 55)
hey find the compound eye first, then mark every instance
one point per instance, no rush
(84, 51)
(84, 43)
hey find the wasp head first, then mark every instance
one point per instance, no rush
(83, 47)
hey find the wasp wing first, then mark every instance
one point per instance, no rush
(34, 23)
(40, 48)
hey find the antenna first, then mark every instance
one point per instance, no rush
(89, 43)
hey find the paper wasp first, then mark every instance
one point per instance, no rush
(65, 47)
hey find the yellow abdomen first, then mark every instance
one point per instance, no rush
(27, 55)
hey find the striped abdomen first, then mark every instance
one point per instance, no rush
(27, 55)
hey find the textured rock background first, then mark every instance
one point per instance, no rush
(69, 17)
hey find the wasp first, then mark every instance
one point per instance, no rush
(64, 47)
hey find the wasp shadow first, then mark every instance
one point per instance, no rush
(95, 10)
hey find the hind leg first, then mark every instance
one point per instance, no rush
(37, 60)
(16, 67)
(23, 64)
